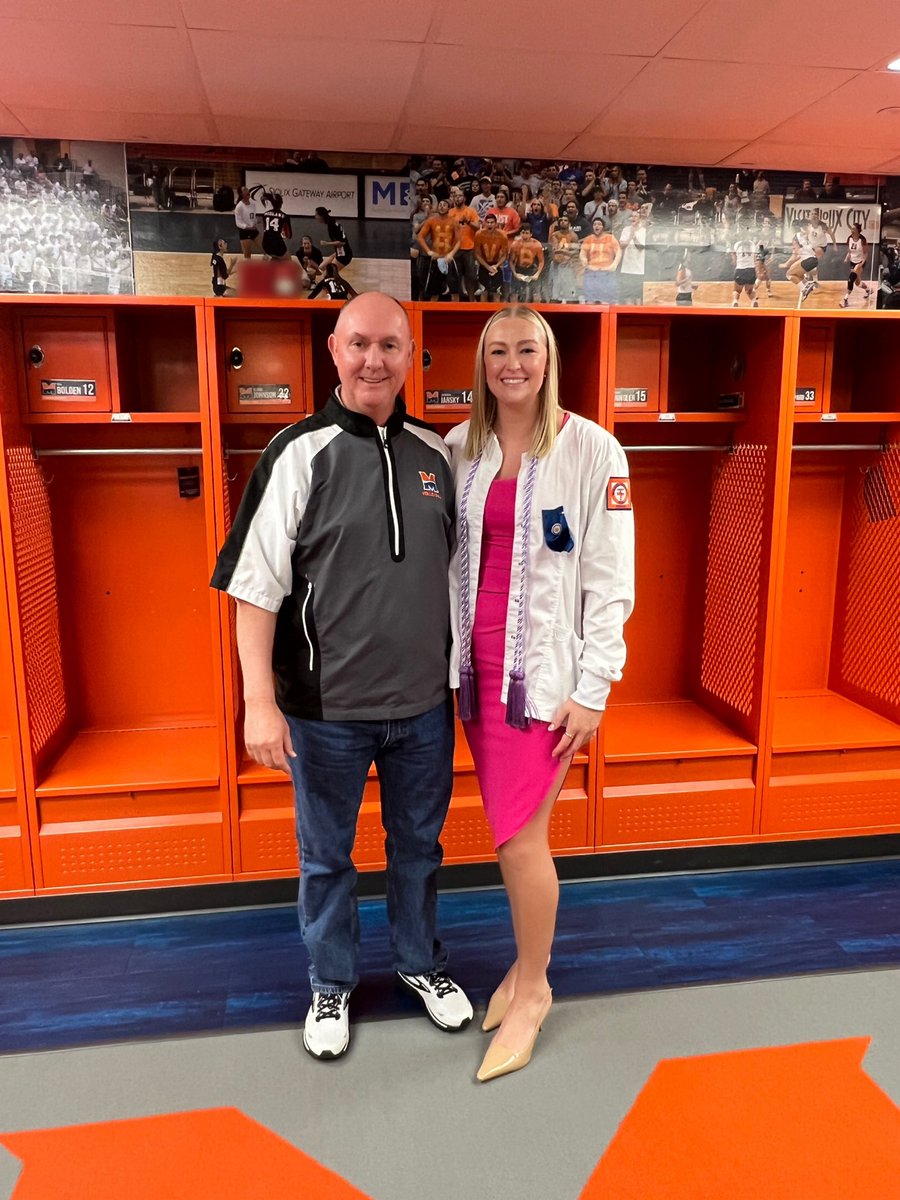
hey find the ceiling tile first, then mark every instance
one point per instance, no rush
(674, 98)
(373, 79)
(792, 156)
(112, 12)
(113, 126)
(401, 20)
(641, 29)
(682, 151)
(495, 143)
(822, 33)
(300, 134)
(495, 98)
(96, 67)
(849, 115)
(11, 125)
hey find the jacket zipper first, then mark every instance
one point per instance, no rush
(395, 522)
(306, 601)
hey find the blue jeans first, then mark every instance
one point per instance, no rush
(414, 761)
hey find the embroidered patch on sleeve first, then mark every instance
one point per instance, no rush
(618, 494)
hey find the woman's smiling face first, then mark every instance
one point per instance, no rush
(515, 361)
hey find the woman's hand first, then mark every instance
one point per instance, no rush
(579, 724)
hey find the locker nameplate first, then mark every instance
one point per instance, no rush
(448, 396)
(264, 393)
(68, 389)
(632, 396)
(804, 395)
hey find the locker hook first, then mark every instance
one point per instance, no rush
(35, 356)
(236, 358)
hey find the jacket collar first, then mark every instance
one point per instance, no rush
(361, 425)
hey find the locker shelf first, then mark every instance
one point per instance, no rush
(97, 761)
(826, 721)
(675, 729)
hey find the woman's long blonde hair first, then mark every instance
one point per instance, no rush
(484, 404)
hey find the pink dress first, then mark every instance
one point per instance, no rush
(514, 766)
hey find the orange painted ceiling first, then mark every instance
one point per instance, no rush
(774, 83)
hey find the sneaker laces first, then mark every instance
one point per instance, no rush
(443, 985)
(329, 1004)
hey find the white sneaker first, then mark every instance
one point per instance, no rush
(326, 1033)
(446, 1004)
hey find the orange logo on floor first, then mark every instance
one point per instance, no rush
(789, 1123)
(216, 1154)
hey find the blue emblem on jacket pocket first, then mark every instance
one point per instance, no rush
(556, 530)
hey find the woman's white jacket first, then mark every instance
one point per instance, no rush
(578, 595)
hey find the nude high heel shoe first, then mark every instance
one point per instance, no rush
(500, 1060)
(496, 1011)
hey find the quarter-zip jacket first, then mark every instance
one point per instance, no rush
(580, 585)
(345, 531)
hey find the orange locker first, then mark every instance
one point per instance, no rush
(112, 539)
(68, 362)
(16, 876)
(681, 734)
(835, 761)
(265, 366)
(281, 341)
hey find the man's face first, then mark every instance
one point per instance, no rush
(485, 187)
(571, 210)
(490, 224)
(501, 200)
(421, 187)
(443, 208)
(564, 224)
(372, 350)
(598, 228)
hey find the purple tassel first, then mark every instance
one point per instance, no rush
(466, 698)
(516, 715)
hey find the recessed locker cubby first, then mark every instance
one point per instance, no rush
(846, 368)
(681, 732)
(836, 728)
(15, 850)
(449, 340)
(112, 541)
(131, 363)
(691, 365)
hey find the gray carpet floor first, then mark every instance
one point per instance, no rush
(400, 1117)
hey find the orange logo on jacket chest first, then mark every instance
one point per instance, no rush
(429, 485)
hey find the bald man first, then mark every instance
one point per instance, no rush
(338, 562)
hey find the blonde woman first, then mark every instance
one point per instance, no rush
(541, 585)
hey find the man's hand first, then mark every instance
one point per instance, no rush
(267, 738)
(579, 724)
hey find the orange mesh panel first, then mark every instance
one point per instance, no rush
(733, 577)
(38, 602)
(869, 639)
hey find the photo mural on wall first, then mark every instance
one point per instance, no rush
(64, 218)
(187, 220)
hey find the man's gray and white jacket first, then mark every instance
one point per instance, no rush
(345, 530)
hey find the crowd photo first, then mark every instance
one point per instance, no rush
(603, 233)
(65, 226)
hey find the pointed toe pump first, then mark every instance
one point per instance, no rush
(501, 1060)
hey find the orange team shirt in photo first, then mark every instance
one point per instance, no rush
(491, 246)
(565, 246)
(443, 234)
(599, 252)
(507, 218)
(526, 254)
(466, 232)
